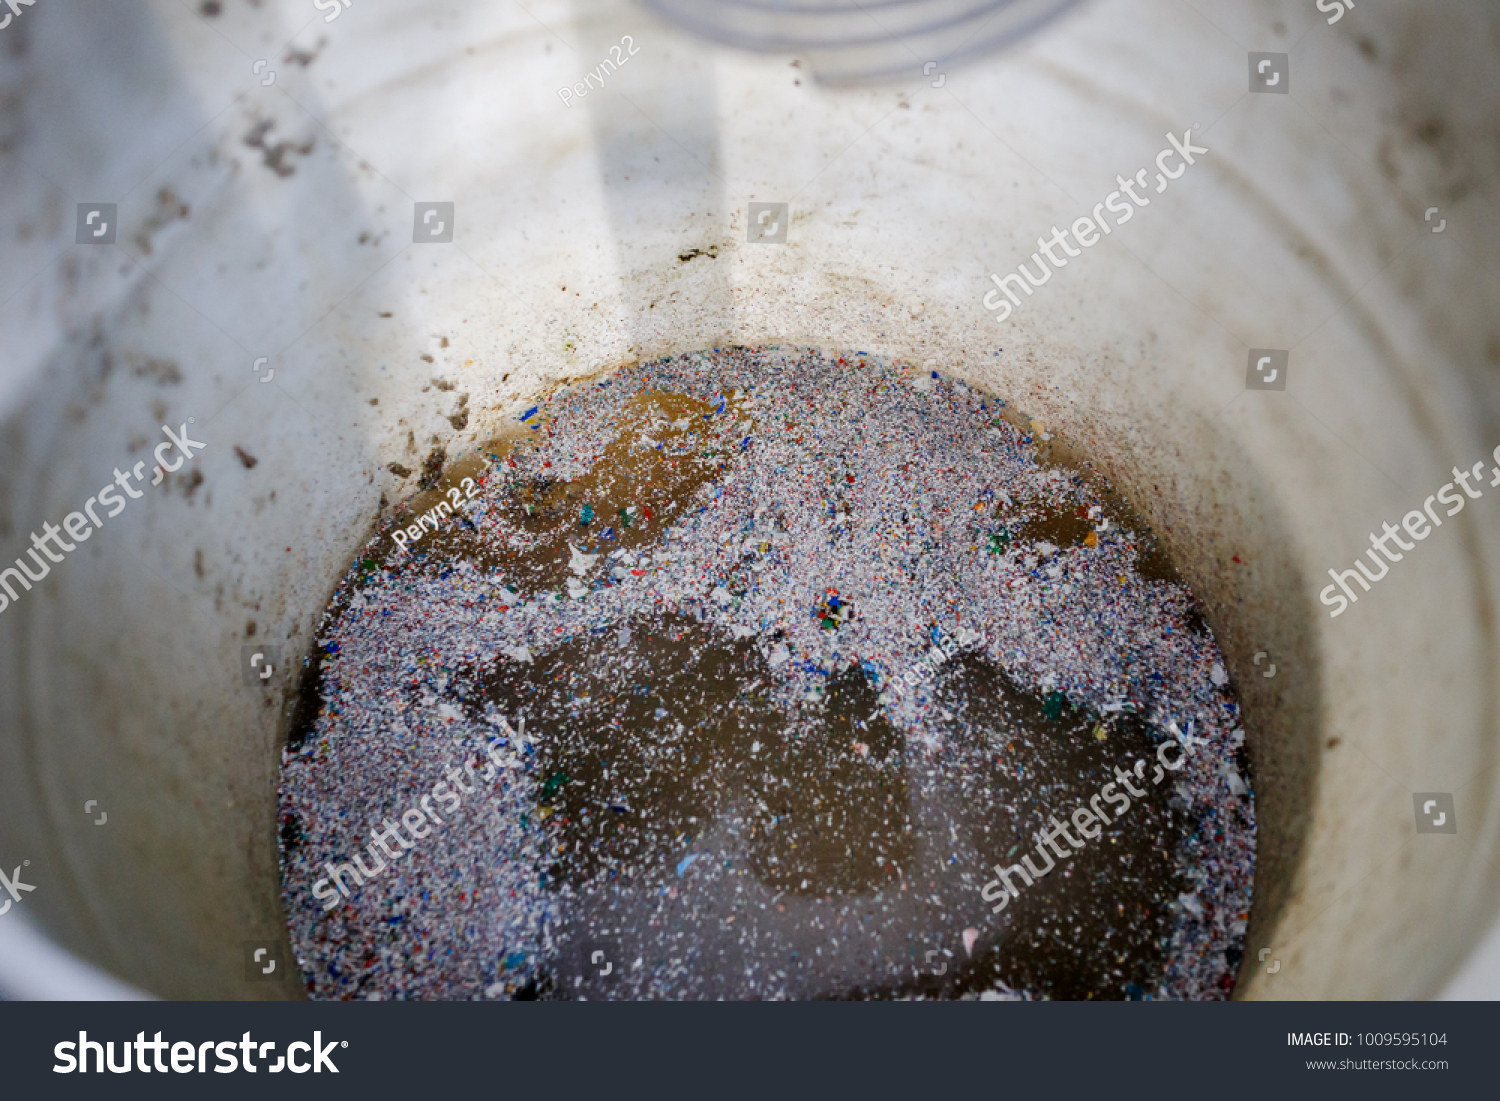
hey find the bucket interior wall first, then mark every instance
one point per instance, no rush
(276, 221)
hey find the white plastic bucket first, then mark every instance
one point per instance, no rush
(1302, 228)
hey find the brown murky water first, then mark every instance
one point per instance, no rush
(821, 818)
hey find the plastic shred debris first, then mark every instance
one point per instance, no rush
(1236, 784)
(581, 563)
(885, 604)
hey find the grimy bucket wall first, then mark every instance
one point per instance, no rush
(275, 220)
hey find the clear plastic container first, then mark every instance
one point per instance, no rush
(848, 42)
